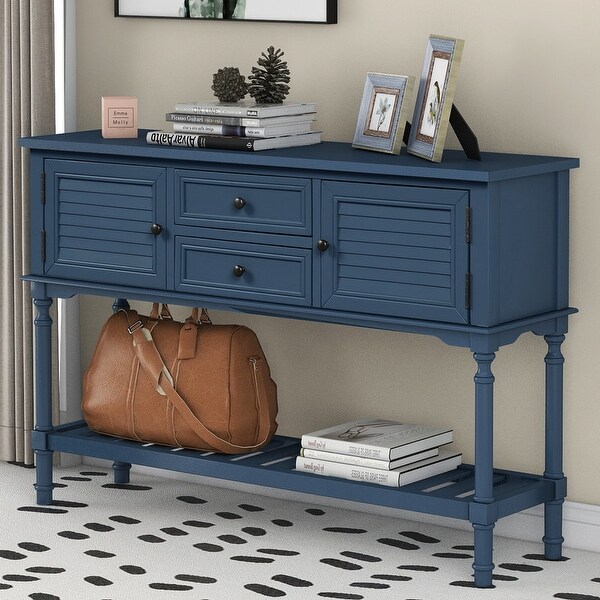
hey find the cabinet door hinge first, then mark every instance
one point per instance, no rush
(43, 243)
(43, 188)
(468, 224)
(468, 290)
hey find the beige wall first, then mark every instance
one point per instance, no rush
(529, 83)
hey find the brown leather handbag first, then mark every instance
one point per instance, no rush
(192, 384)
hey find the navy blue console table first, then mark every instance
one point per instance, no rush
(475, 253)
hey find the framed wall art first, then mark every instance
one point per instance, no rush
(434, 98)
(308, 11)
(383, 112)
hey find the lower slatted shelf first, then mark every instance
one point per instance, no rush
(449, 494)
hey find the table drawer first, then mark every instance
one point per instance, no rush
(243, 202)
(243, 270)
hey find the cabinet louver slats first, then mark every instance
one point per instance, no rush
(402, 250)
(103, 216)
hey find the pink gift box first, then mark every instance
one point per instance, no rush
(119, 116)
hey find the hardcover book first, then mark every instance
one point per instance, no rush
(246, 109)
(377, 438)
(364, 461)
(241, 131)
(444, 462)
(217, 142)
(240, 121)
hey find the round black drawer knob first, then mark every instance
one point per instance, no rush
(238, 270)
(239, 203)
(156, 229)
(322, 245)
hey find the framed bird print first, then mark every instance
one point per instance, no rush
(435, 97)
(383, 112)
(307, 11)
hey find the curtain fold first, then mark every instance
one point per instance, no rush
(26, 108)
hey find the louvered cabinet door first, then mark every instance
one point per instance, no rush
(398, 251)
(102, 222)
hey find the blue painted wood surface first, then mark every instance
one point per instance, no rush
(475, 253)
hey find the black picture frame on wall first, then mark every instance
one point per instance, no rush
(293, 11)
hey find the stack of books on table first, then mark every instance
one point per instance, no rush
(239, 126)
(378, 451)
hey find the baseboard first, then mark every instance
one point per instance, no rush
(581, 522)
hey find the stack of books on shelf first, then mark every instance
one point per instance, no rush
(378, 451)
(239, 126)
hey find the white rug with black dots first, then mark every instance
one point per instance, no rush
(166, 539)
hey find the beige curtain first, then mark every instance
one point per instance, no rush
(26, 108)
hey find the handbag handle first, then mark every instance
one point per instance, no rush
(154, 366)
(165, 313)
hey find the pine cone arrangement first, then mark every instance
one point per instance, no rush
(229, 85)
(268, 82)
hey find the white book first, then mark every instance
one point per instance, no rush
(246, 109)
(444, 462)
(241, 121)
(243, 131)
(372, 463)
(377, 438)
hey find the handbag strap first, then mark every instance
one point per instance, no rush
(154, 366)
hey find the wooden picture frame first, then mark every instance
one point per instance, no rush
(434, 97)
(297, 11)
(383, 112)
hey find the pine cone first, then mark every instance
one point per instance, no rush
(268, 82)
(229, 85)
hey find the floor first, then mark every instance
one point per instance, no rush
(164, 538)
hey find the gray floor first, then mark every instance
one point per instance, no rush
(170, 539)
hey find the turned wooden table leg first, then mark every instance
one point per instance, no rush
(43, 397)
(484, 476)
(553, 538)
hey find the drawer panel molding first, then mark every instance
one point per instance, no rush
(244, 202)
(243, 271)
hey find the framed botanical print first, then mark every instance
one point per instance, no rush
(383, 112)
(310, 11)
(434, 98)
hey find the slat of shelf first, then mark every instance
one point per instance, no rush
(461, 489)
(274, 466)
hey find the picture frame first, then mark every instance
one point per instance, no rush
(383, 112)
(435, 97)
(297, 11)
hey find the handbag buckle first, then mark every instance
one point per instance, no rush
(135, 326)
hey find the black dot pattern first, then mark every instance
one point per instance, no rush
(398, 544)
(522, 567)
(33, 547)
(265, 590)
(133, 569)
(98, 581)
(341, 564)
(253, 559)
(255, 531)
(10, 555)
(209, 547)
(171, 587)
(127, 486)
(191, 500)
(277, 552)
(348, 560)
(575, 596)
(124, 520)
(195, 578)
(250, 508)
(99, 554)
(293, 581)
